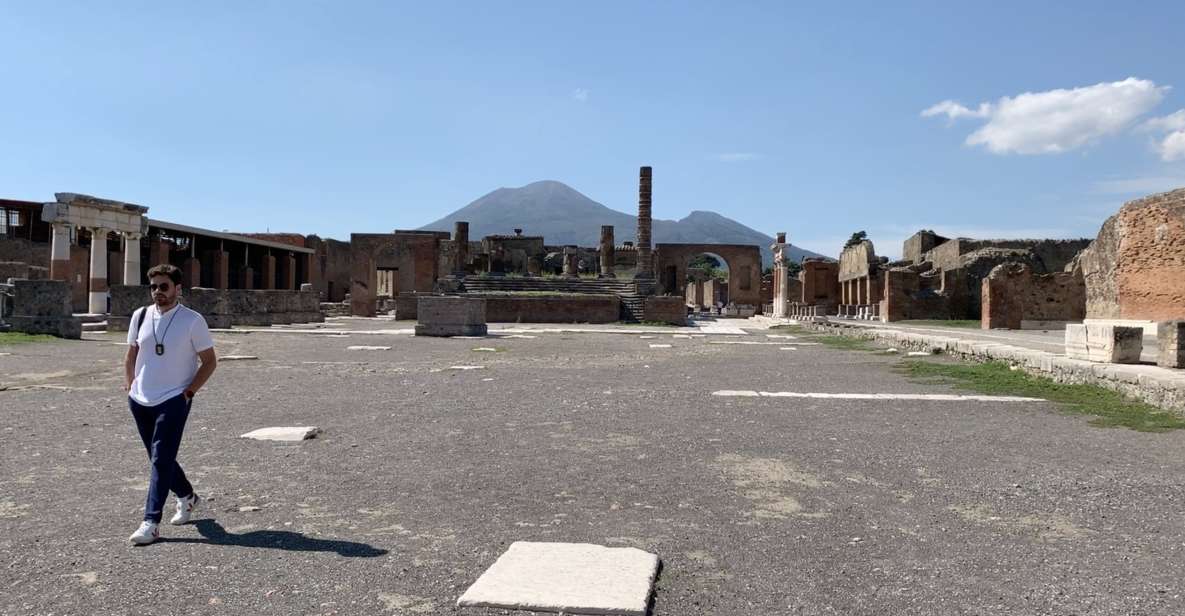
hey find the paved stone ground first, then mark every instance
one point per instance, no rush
(423, 475)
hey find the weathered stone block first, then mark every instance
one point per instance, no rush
(450, 316)
(125, 299)
(206, 301)
(1104, 343)
(218, 321)
(665, 309)
(407, 306)
(1170, 337)
(41, 298)
(62, 327)
(13, 269)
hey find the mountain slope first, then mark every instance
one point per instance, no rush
(562, 215)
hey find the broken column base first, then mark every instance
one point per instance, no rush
(1111, 344)
(1170, 337)
(441, 315)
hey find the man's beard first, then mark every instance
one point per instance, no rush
(162, 300)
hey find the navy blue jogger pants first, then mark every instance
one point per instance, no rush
(160, 428)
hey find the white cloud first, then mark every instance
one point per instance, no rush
(954, 110)
(1172, 122)
(580, 95)
(736, 157)
(1058, 120)
(1173, 146)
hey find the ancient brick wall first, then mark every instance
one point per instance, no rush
(555, 309)
(1012, 294)
(19, 249)
(856, 261)
(919, 244)
(665, 309)
(1135, 268)
(820, 283)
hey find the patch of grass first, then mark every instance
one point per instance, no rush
(649, 324)
(15, 338)
(965, 324)
(846, 343)
(1109, 408)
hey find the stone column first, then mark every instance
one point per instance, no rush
(97, 303)
(131, 259)
(607, 252)
(269, 272)
(645, 257)
(59, 264)
(570, 262)
(460, 248)
(288, 272)
(781, 277)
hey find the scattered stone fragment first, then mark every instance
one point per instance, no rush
(362, 347)
(521, 336)
(237, 357)
(788, 348)
(485, 350)
(681, 336)
(7, 354)
(918, 354)
(283, 433)
(660, 346)
(466, 367)
(647, 337)
(572, 578)
(248, 508)
(781, 336)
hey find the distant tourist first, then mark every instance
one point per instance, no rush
(162, 375)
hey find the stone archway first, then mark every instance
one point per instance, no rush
(743, 262)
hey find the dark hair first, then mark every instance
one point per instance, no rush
(164, 269)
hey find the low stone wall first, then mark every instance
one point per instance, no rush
(224, 308)
(1170, 338)
(1152, 384)
(450, 315)
(552, 309)
(906, 297)
(407, 306)
(665, 309)
(1013, 294)
(41, 307)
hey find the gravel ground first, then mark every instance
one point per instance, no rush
(425, 474)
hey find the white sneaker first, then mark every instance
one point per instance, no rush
(147, 533)
(185, 507)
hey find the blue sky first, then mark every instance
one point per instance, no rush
(339, 117)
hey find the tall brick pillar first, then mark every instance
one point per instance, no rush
(59, 264)
(269, 272)
(607, 252)
(158, 251)
(645, 257)
(460, 248)
(191, 273)
(570, 270)
(246, 277)
(220, 269)
(288, 272)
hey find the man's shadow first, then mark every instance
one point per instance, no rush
(213, 534)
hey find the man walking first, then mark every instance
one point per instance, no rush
(161, 375)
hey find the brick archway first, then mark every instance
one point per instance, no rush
(744, 269)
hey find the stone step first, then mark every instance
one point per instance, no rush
(86, 317)
(93, 326)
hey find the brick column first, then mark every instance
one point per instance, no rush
(607, 252)
(59, 264)
(246, 277)
(645, 257)
(158, 251)
(269, 272)
(570, 262)
(460, 248)
(288, 272)
(220, 264)
(191, 273)
(97, 301)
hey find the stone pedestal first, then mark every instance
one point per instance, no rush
(450, 316)
(1104, 343)
(1170, 337)
(570, 256)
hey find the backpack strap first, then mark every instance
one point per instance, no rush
(136, 318)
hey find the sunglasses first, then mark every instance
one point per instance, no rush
(164, 286)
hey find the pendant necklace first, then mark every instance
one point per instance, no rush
(160, 347)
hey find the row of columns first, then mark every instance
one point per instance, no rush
(59, 265)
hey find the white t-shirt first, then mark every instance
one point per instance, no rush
(184, 334)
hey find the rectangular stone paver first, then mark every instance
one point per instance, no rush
(573, 578)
